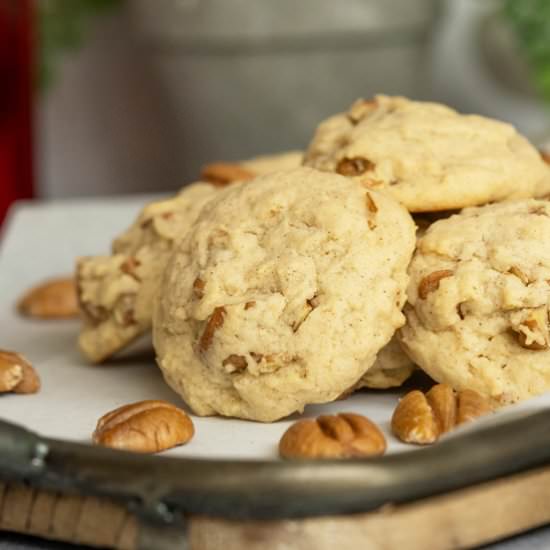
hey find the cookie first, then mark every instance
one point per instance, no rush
(391, 369)
(116, 292)
(428, 156)
(282, 294)
(267, 164)
(478, 298)
(223, 173)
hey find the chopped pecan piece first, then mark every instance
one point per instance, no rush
(371, 205)
(302, 315)
(129, 267)
(431, 282)
(515, 270)
(124, 311)
(314, 301)
(224, 173)
(198, 288)
(235, 362)
(354, 166)
(214, 323)
(533, 331)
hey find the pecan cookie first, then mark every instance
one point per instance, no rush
(428, 156)
(282, 294)
(267, 164)
(393, 367)
(116, 292)
(479, 294)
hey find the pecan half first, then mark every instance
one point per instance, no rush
(53, 299)
(431, 282)
(213, 324)
(224, 173)
(17, 374)
(144, 427)
(354, 166)
(422, 418)
(346, 435)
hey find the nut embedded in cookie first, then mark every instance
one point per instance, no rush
(116, 292)
(478, 301)
(431, 282)
(427, 155)
(255, 319)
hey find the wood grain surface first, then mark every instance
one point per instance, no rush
(461, 519)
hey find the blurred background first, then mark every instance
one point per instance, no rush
(103, 97)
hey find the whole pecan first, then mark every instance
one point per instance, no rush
(53, 299)
(17, 375)
(144, 427)
(422, 418)
(345, 435)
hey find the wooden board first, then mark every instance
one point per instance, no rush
(461, 519)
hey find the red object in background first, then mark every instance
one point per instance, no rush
(16, 40)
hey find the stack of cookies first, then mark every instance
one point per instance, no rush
(295, 279)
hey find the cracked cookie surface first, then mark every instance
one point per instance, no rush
(282, 294)
(479, 294)
(428, 156)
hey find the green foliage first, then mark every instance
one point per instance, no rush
(61, 26)
(530, 20)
